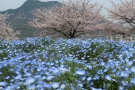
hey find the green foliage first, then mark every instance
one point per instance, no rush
(3, 54)
(6, 72)
(67, 77)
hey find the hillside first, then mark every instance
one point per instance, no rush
(20, 16)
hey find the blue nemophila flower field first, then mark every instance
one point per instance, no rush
(67, 64)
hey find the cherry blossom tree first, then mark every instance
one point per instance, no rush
(113, 28)
(6, 32)
(72, 19)
(123, 14)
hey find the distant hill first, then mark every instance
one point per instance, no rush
(20, 16)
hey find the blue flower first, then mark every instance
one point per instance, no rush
(121, 88)
(46, 85)
(49, 78)
(80, 72)
(3, 83)
(130, 63)
(125, 83)
(89, 78)
(133, 81)
(62, 87)
(133, 69)
(124, 74)
(108, 77)
(29, 81)
(55, 84)
(18, 77)
(32, 87)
